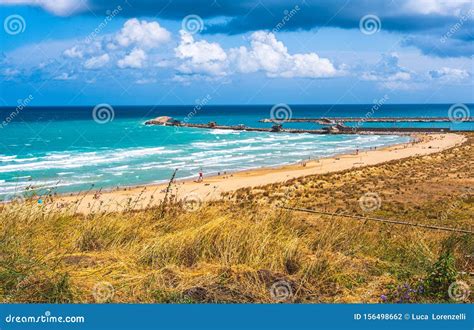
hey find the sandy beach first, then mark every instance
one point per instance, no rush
(211, 188)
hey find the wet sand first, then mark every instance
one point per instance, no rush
(211, 188)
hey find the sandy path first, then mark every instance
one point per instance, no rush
(212, 187)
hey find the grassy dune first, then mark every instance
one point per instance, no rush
(241, 248)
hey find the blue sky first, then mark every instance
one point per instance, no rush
(83, 52)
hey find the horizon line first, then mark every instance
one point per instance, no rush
(232, 104)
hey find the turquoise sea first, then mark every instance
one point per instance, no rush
(63, 149)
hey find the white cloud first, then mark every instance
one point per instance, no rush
(73, 52)
(387, 69)
(135, 37)
(57, 7)
(65, 76)
(243, 60)
(271, 56)
(135, 59)
(440, 7)
(310, 66)
(84, 49)
(142, 34)
(97, 62)
(265, 54)
(389, 73)
(449, 74)
(200, 57)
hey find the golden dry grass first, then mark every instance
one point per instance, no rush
(234, 250)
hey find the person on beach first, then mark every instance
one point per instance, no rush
(200, 178)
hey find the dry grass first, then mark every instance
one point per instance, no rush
(234, 250)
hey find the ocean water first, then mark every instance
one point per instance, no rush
(63, 149)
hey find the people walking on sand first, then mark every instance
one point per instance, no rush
(200, 178)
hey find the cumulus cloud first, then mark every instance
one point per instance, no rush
(135, 59)
(97, 62)
(74, 52)
(389, 74)
(196, 58)
(142, 34)
(200, 57)
(449, 74)
(266, 54)
(127, 47)
(387, 69)
(424, 20)
(83, 50)
(271, 56)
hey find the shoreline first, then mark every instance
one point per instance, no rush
(250, 169)
(212, 187)
(67, 194)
